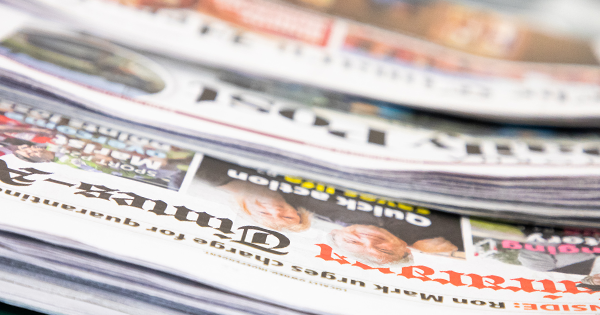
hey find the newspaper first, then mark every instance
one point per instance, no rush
(134, 183)
(509, 75)
(296, 243)
(420, 158)
(70, 281)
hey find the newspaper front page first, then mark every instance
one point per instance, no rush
(420, 56)
(159, 91)
(432, 161)
(288, 240)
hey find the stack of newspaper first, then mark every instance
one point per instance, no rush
(295, 157)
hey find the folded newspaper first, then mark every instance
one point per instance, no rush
(102, 218)
(542, 175)
(134, 183)
(433, 55)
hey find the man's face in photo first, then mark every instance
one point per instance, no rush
(273, 212)
(374, 243)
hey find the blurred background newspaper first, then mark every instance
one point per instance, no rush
(299, 156)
